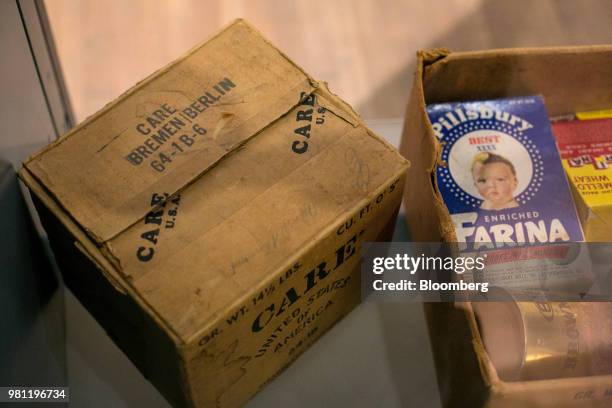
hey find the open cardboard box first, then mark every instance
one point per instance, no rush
(571, 79)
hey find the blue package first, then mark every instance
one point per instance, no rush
(501, 176)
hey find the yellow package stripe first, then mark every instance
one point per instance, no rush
(598, 114)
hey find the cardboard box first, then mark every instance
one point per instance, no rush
(570, 79)
(586, 151)
(211, 217)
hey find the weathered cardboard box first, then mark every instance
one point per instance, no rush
(571, 80)
(211, 217)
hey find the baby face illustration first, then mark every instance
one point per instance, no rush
(495, 179)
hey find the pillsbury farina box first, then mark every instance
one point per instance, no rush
(501, 178)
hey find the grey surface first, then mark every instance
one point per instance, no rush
(99, 374)
(31, 306)
(32, 343)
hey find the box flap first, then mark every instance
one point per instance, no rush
(582, 71)
(169, 129)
